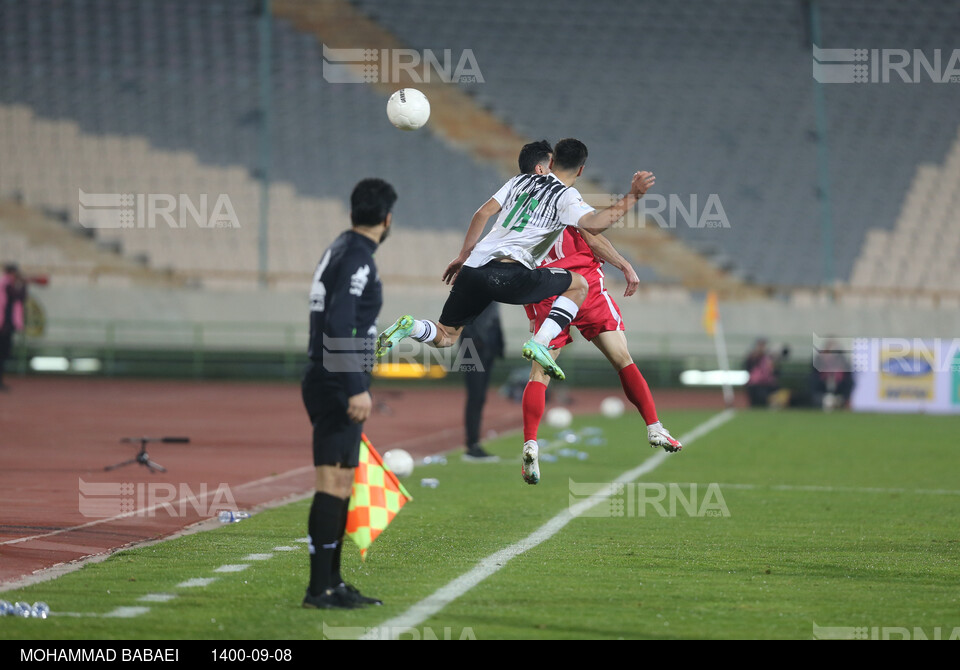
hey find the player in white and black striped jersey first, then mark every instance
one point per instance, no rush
(532, 211)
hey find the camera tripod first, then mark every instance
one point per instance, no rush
(142, 457)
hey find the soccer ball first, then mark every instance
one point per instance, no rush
(611, 407)
(400, 462)
(408, 109)
(559, 418)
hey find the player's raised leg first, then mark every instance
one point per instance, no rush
(406, 326)
(563, 311)
(613, 344)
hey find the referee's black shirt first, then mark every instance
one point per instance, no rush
(345, 300)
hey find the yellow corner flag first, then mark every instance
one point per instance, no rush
(376, 498)
(710, 313)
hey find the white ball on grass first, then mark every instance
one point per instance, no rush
(559, 418)
(612, 407)
(399, 461)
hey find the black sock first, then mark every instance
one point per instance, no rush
(335, 578)
(325, 534)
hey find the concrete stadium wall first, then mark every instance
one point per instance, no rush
(277, 320)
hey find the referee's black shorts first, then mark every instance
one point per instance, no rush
(336, 438)
(509, 283)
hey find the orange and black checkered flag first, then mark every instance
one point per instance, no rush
(376, 498)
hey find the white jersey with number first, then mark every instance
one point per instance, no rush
(533, 212)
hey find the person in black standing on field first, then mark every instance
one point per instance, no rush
(487, 337)
(345, 300)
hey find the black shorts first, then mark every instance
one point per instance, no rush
(336, 438)
(509, 283)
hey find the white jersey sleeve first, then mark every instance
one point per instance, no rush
(501, 195)
(571, 207)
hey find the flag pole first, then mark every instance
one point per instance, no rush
(721, 344)
(714, 326)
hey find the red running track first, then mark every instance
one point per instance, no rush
(252, 437)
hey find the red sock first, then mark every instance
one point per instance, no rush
(635, 386)
(534, 400)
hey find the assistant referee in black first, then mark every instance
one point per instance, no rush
(345, 300)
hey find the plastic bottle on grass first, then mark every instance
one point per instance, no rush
(232, 516)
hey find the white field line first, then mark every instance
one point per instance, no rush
(196, 581)
(147, 510)
(126, 612)
(236, 567)
(445, 595)
(157, 597)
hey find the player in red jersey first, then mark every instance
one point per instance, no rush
(598, 320)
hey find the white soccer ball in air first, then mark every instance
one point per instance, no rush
(399, 461)
(408, 109)
(559, 418)
(611, 407)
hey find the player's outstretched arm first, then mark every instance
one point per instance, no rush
(600, 220)
(603, 249)
(479, 221)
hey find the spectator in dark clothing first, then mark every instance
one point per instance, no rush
(831, 379)
(763, 381)
(486, 337)
(13, 296)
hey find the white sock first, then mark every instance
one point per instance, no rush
(424, 331)
(655, 426)
(563, 311)
(549, 330)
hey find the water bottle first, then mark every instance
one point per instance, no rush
(430, 482)
(548, 458)
(231, 516)
(435, 460)
(22, 609)
(40, 610)
(5, 608)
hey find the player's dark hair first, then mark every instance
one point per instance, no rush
(533, 154)
(371, 201)
(569, 154)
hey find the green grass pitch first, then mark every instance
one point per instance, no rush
(834, 519)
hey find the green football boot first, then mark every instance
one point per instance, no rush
(534, 351)
(399, 330)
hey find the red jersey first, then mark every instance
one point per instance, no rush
(571, 252)
(598, 313)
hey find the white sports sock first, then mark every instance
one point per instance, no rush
(655, 426)
(549, 330)
(423, 331)
(563, 311)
